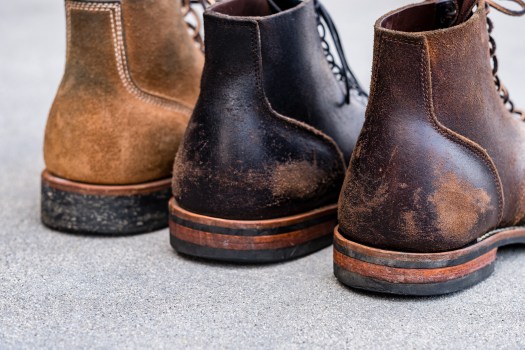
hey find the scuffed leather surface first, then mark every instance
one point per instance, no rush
(468, 103)
(240, 159)
(97, 132)
(413, 184)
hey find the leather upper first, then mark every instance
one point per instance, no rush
(439, 162)
(293, 61)
(131, 79)
(491, 126)
(163, 59)
(263, 139)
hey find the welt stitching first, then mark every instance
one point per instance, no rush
(120, 53)
(451, 136)
(254, 42)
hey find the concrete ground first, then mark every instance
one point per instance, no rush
(65, 291)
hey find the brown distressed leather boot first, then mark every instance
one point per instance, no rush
(259, 171)
(437, 180)
(131, 80)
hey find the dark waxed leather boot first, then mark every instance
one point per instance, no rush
(131, 80)
(260, 168)
(437, 180)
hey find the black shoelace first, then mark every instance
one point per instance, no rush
(502, 90)
(193, 20)
(342, 71)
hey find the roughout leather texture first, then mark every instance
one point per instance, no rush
(131, 80)
(270, 131)
(440, 160)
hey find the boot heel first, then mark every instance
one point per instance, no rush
(383, 271)
(75, 207)
(258, 241)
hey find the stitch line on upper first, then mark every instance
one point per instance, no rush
(255, 43)
(120, 53)
(455, 137)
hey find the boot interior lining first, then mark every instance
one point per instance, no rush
(419, 18)
(254, 8)
(243, 8)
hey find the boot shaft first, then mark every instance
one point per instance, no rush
(150, 41)
(296, 77)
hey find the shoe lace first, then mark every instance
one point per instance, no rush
(502, 90)
(342, 71)
(193, 20)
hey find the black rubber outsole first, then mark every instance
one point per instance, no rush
(250, 256)
(73, 212)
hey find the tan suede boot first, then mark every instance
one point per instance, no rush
(131, 80)
(437, 180)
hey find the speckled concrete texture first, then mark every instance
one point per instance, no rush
(64, 291)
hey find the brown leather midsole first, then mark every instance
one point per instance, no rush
(400, 275)
(104, 190)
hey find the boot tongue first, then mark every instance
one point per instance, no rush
(465, 8)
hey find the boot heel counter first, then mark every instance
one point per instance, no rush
(414, 185)
(90, 78)
(263, 177)
(239, 159)
(90, 85)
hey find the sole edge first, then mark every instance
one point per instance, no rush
(262, 241)
(67, 207)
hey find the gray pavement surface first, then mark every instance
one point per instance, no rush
(64, 291)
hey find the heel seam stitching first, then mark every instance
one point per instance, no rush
(114, 10)
(467, 143)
